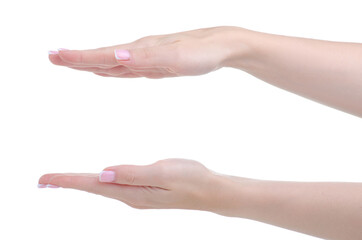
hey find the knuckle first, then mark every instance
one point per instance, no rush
(161, 166)
(81, 58)
(129, 176)
(164, 169)
(146, 39)
(179, 57)
(103, 58)
(143, 57)
(147, 53)
(174, 64)
(177, 49)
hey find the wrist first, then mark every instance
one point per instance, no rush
(245, 198)
(232, 196)
(240, 47)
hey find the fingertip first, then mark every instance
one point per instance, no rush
(69, 56)
(56, 60)
(52, 52)
(47, 178)
(44, 178)
(44, 185)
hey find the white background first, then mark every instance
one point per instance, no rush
(54, 119)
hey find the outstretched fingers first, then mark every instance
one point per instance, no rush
(81, 181)
(100, 57)
(134, 196)
(121, 61)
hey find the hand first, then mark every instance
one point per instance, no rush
(326, 210)
(172, 183)
(180, 54)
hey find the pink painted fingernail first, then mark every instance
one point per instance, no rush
(42, 185)
(121, 54)
(52, 52)
(52, 186)
(107, 176)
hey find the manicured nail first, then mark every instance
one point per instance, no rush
(121, 54)
(42, 185)
(51, 186)
(63, 49)
(107, 176)
(52, 52)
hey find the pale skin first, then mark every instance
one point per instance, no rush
(326, 210)
(324, 71)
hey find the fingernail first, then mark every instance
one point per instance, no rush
(53, 52)
(121, 54)
(107, 176)
(42, 185)
(51, 186)
(63, 49)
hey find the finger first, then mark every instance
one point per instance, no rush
(134, 196)
(149, 175)
(87, 69)
(68, 180)
(159, 56)
(111, 71)
(84, 182)
(91, 57)
(122, 71)
(56, 60)
(126, 75)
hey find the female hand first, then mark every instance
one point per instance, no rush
(308, 67)
(326, 210)
(187, 53)
(171, 183)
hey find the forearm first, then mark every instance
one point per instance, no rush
(324, 71)
(326, 210)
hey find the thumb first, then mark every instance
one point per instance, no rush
(158, 56)
(149, 175)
